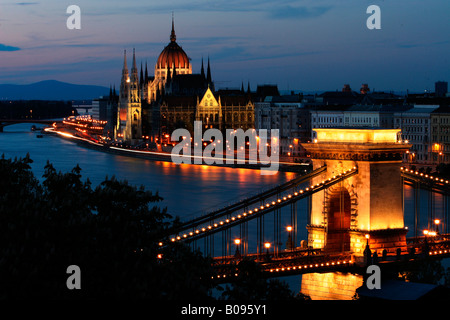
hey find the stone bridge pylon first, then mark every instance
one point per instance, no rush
(366, 207)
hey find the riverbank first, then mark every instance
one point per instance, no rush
(165, 156)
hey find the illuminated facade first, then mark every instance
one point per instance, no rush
(368, 203)
(138, 90)
(440, 135)
(129, 115)
(415, 125)
(290, 117)
(172, 60)
(215, 111)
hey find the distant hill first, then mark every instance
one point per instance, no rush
(51, 90)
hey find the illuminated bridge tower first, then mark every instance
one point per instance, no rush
(366, 205)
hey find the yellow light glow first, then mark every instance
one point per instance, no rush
(356, 135)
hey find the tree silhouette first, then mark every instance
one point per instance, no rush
(251, 285)
(112, 233)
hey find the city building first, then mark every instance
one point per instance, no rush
(440, 135)
(220, 110)
(357, 116)
(441, 89)
(415, 125)
(287, 114)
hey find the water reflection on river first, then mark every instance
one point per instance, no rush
(188, 190)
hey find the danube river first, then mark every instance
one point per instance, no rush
(188, 190)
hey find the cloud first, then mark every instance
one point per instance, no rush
(289, 12)
(26, 3)
(8, 48)
(271, 9)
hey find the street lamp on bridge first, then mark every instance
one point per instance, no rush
(237, 242)
(437, 222)
(267, 246)
(289, 244)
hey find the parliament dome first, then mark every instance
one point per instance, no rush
(173, 55)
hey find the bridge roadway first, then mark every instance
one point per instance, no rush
(214, 226)
(244, 203)
(300, 260)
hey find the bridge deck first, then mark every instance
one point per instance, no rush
(221, 225)
(300, 261)
(251, 201)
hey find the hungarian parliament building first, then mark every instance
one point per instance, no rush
(174, 97)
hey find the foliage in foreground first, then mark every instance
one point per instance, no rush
(110, 232)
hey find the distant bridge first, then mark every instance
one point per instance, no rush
(8, 122)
